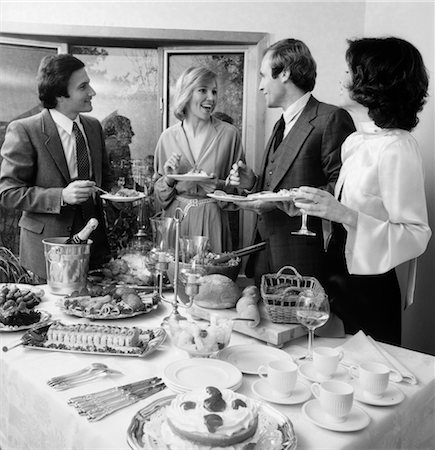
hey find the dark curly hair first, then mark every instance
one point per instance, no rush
(53, 76)
(295, 56)
(389, 78)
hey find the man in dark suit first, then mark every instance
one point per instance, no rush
(52, 163)
(304, 149)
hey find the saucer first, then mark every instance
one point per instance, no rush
(392, 396)
(262, 389)
(308, 371)
(356, 420)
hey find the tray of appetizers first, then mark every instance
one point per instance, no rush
(95, 339)
(122, 302)
(18, 304)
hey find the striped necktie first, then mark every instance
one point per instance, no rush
(82, 154)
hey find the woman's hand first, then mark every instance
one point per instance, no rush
(324, 205)
(172, 165)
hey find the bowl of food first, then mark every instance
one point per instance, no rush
(200, 338)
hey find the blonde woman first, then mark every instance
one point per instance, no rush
(200, 142)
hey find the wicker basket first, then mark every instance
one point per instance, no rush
(280, 292)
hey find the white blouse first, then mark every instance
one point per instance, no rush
(382, 179)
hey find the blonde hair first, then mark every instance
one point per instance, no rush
(190, 79)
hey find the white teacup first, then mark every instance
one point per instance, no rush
(325, 361)
(335, 398)
(281, 374)
(373, 378)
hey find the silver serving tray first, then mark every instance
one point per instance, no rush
(153, 344)
(44, 318)
(138, 441)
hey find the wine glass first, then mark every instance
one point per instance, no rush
(303, 231)
(312, 311)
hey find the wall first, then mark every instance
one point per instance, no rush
(324, 26)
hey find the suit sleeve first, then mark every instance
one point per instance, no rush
(339, 126)
(17, 176)
(377, 245)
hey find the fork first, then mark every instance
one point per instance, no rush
(78, 374)
(70, 384)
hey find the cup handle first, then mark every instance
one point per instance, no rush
(395, 375)
(340, 355)
(353, 371)
(262, 371)
(315, 389)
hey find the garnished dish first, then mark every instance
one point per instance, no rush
(17, 307)
(128, 269)
(109, 302)
(208, 418)
(269, 196)
(222, 196)
(90, 338)
(124, 195)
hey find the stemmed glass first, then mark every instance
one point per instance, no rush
(312, 311)
(303, 231)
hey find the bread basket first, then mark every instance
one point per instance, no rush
(280, 292)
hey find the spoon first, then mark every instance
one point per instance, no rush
(76, 375)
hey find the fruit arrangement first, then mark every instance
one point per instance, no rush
(17, 305)
(109, 302)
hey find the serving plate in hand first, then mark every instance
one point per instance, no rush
(271, 197)
(146, 432)
(224, 197)
(123, 198)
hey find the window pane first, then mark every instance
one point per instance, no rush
(126, 83)
(229, 69)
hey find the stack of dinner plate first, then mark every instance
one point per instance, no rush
(187, 374)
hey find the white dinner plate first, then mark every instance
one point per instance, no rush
(180, 390)
(224, 197)
(188, 374)
(189, 176)
(121, 198)
(356, 420)
(248, 358)
(392, 396)
(308, 371)
(300, 394)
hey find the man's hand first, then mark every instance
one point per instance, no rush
(78, 192)
(241, 176)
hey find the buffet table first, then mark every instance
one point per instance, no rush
(34, 416)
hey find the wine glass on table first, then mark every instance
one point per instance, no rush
(303, 231)
(312, 311)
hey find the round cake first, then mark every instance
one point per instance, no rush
(212, 417)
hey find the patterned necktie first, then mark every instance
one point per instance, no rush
(279, 133)
(82, 154)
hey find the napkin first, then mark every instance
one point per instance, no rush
(361, 348)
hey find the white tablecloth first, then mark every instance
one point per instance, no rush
(33, 416)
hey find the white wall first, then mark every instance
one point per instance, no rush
(324, 26)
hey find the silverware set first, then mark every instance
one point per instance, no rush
(98, 405)
(85, 375)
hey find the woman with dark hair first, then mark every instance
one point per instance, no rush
(379, 208)
(199, 141)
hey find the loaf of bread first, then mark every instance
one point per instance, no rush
(217, 292)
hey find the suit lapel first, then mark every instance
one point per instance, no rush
(94, 148)
(53, 144)
(293, 142)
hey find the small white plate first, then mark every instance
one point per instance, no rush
(122, 199)
(188, 374)
(392, 396)
(356, 420)
(248, 358)
(300, 394)
(189, 176)
(308, 371)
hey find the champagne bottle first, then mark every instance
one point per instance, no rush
(82, 236)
